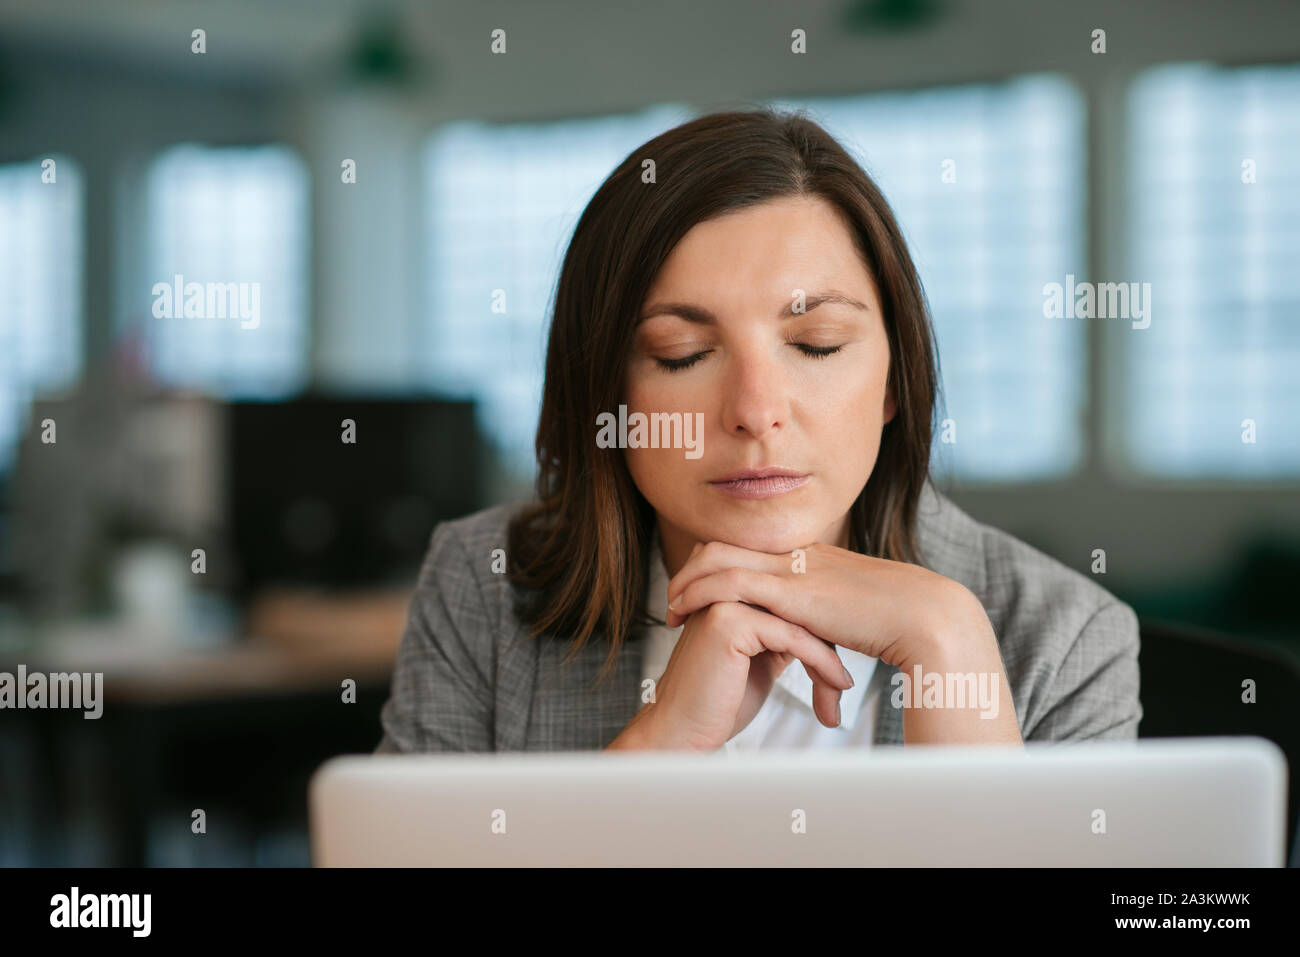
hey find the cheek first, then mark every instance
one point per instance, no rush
(850, 399)
(661, 475)
(848, 414)
(649, 390)
(655, 471)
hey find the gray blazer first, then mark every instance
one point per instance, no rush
(468, 678)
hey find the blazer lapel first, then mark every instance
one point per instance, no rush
(567, 711)
(888, 726)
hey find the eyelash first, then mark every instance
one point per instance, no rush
(813, 352)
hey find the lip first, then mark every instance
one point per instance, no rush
(761, 483)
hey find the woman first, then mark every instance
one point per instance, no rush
(740, 284)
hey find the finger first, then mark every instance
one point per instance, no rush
(825, 698)
(715, 556)
(766, 632)
(826, 703)
(771, 591)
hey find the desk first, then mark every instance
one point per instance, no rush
(236, 730)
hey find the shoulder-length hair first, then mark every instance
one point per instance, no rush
(579, 554)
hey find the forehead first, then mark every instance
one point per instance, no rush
(768, 249)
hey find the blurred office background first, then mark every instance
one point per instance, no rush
(128, 158)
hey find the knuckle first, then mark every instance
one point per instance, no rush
(711, 550)
(722, 613)
(793, 632)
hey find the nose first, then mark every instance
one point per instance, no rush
(756, 398)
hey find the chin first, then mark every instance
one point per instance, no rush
(775, 533)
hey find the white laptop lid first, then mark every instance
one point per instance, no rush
(1154, 802)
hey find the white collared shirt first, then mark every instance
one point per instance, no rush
(787, 718)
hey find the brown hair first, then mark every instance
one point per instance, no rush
(581, 550)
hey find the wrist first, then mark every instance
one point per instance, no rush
(955, 633)
(646, 732)
(638, 735)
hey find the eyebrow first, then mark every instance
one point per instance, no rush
(693, 313)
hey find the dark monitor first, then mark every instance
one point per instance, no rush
(306, 507)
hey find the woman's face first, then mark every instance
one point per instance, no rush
(724, 332)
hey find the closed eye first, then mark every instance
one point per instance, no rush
(676, 365)
(817, 352)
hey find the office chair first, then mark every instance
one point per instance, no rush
(1192, 686)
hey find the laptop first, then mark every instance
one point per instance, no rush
(1179, 802)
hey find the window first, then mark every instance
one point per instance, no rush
(232, 224)
(987, 183)
(1214, 211)
(41, 247)
(503, 201)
